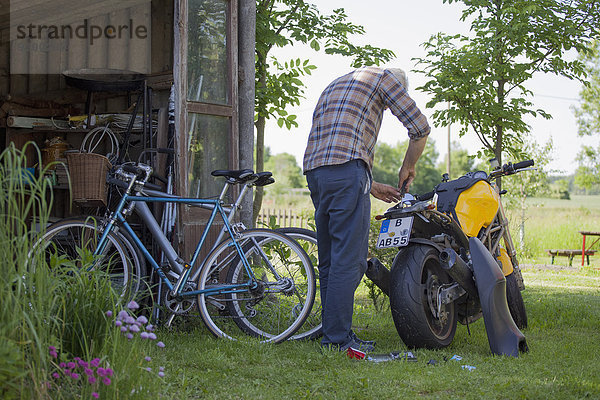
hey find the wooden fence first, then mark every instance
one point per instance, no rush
(282, 218)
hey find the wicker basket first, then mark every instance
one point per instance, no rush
(88, 178)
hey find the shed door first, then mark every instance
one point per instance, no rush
(206, 78)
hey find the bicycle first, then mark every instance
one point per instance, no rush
(256, 281)
(312, 328)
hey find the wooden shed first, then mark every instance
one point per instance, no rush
(59, 61)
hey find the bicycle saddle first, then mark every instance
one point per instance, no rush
(264, 178)
(240, 175)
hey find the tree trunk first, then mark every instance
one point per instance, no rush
(499, 132)
(260, 166)
(260, 140)
(522, 224)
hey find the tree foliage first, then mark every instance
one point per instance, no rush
(279, 85)
(588, 119)
(287, 173)
(388, 159)
(460, 161)
(483, 76)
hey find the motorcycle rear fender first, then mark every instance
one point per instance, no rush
(503, 335)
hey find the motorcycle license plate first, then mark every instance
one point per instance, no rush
(394, 232)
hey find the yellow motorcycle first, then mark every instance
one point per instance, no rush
(456, 262)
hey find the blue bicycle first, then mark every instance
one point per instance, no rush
(256, 282)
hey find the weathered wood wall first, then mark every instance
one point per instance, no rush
(33, 65)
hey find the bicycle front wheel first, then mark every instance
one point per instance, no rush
(266, 290)
(312, 328)
(73, 241)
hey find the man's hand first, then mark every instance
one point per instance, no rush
(385, 192)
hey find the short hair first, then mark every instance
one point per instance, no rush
(400, 75)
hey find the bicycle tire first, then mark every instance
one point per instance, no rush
(74, 240)
(312, 328)
(267, 311)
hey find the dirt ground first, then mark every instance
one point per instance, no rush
(553, 267)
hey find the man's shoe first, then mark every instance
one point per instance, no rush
(361, 347)
(360, 341)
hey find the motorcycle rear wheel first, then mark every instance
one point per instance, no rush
(415, 277)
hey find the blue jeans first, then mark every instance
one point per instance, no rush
(340, 194)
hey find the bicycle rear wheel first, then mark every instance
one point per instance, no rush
(273, 303)
(73, 241)
(312, 327)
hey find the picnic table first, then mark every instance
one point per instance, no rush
(585, 250)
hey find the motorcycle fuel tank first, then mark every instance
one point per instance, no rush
(476, 207)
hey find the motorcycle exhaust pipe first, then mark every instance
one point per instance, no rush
(379, 274)
(459, 271)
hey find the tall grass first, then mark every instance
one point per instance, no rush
(53, 316)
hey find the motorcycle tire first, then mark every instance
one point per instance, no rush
(515, 302)
(415, 276)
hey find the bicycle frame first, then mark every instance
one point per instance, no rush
(139, 204)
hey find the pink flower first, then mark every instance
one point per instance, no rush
(150, 328)
(83, 364)
(152, 336)
(91, 380)
(118, 322)
(71, 365)
(122, 314)
(101, 371)
(95, 395)
(75, 375)
(62, 365)
(109, 313)
(54, 354)
(95, 362)
(129, 336)
(160, 344)
(144, 335)
(51, 348)
(161, 369)
(56, 375)
(106, 381)
(142, 320)
(132, 305)
(148, 369)
(123, 329)
(134, 328)
(147, 358)
(88, 372)
(161, 374)
(109, 372)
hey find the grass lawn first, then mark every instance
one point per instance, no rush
(563, 362)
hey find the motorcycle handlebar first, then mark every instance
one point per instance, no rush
(523, 164)
(510, 168)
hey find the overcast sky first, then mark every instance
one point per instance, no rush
(403, 26)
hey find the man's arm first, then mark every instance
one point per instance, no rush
(407, 172)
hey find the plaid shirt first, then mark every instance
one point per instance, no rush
(348, 116)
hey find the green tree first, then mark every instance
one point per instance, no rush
(286, 172)
(460, 161)
(530, 183)
(588, 119)
(483, 76)
(388, 159)
(282, 23)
